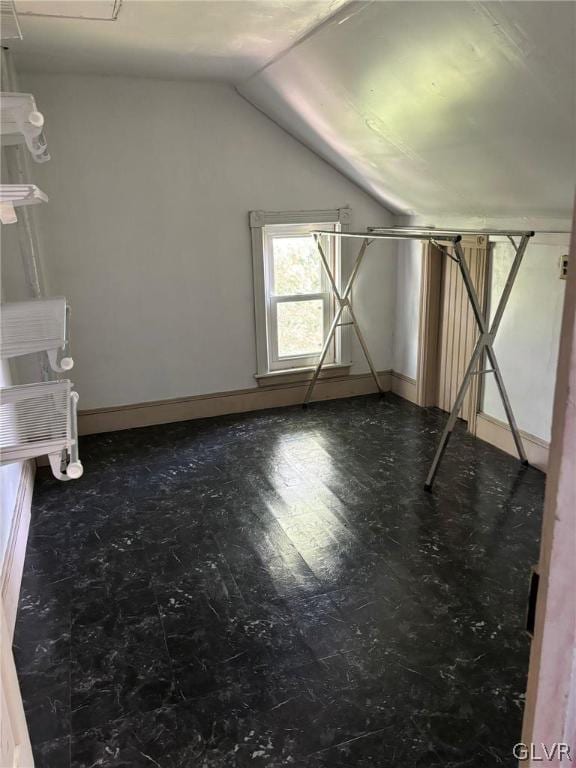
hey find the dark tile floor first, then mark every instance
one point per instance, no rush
(276, 589)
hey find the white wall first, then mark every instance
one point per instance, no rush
(146, 231)
(529, 336)
(407, 320)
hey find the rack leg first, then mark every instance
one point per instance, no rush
(75, 468)
(55, 460)
(365, 350)
(66, 362)
(485, 342)
(322, 357)
(59, 366)
(507, 407)
(446, 434)
(490, 334)
(343, 301)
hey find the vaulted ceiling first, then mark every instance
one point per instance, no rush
(446, 108)
(438, 107)
(190, 39)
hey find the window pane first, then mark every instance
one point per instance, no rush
(300, 327)
(297, 266)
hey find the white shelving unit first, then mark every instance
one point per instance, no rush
(39, 420)
(35, 419)
(14, 196)
(9, 24)
(37, 325)
(20, 121)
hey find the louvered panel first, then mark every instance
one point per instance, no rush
(458, 329)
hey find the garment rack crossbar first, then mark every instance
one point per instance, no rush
(487, 331)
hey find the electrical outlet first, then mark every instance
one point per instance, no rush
(563, 267)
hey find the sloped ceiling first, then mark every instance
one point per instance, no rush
(458, 108)
(190, 39)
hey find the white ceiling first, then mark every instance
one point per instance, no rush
(192, 39)
(459, 108)
(73, 9)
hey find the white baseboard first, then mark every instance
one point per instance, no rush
(13, 563)
(404, 386)
(220, 403)
(275, 396)
(498, 433)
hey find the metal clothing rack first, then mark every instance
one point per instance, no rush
(485, 343)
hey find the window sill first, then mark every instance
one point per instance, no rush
(299, 375)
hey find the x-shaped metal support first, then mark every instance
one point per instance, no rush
(342, 302)
(485, 344)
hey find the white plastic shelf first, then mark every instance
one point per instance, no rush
(41, 420)
(16, 195)
(9, 24)
(20, 122)
(37, 325)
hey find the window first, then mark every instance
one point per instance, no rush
(299, 305)
(294, 302)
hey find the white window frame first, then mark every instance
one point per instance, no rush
(331, 250)
(264, 226)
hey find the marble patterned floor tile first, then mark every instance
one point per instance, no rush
(276, 589)
(119, 659)
(47, 711)
(52, 754)
(211, 648)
